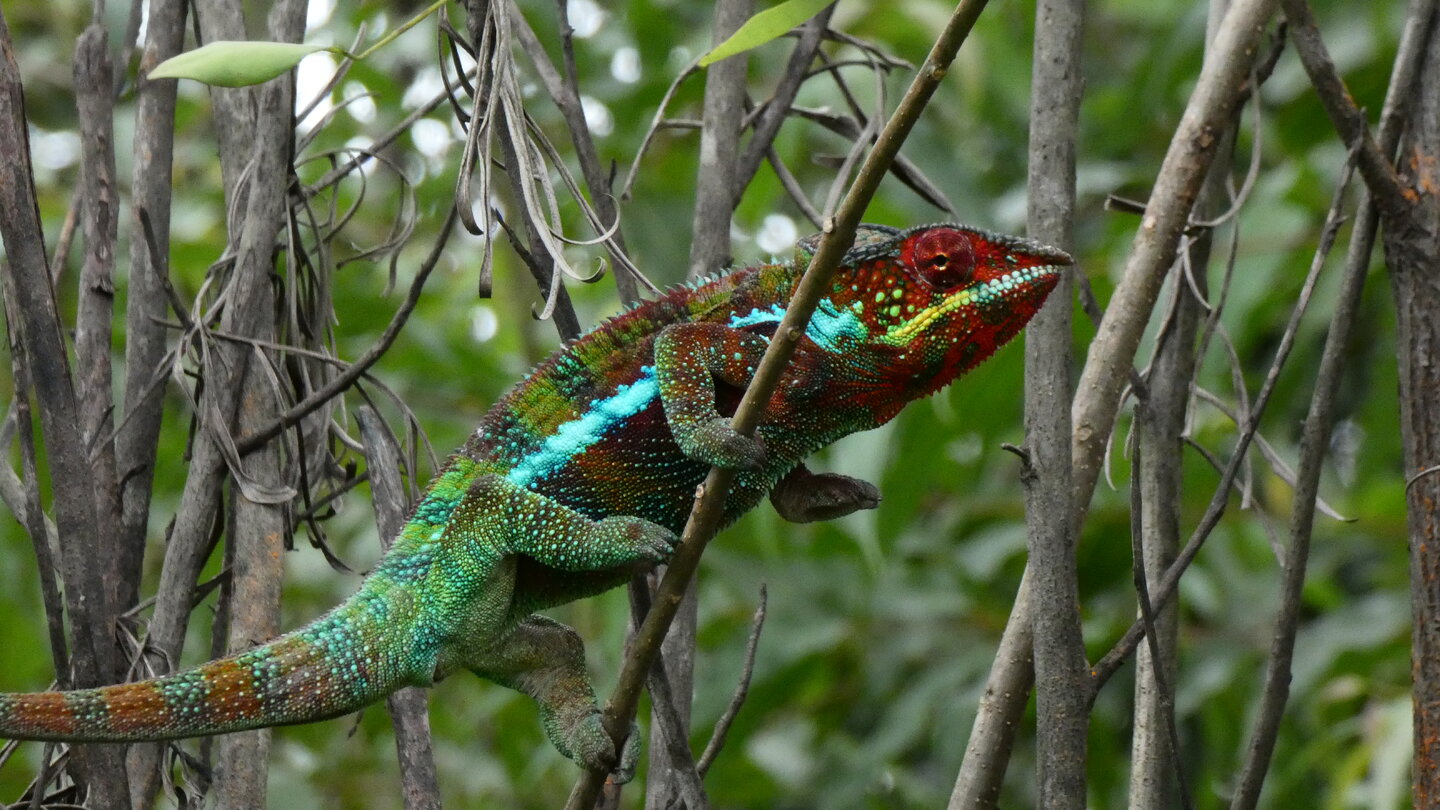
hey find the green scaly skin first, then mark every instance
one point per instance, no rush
(582, 476)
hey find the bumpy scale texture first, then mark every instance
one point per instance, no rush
(584, 473)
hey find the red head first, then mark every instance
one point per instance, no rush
(934, 301)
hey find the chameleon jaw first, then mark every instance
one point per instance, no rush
(1023, 282)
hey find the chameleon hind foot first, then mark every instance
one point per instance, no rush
(546, 660)
(589, 745)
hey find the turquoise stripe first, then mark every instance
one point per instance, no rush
(573, 437)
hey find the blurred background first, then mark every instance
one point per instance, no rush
(882, 626)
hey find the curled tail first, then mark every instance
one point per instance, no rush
(336, 665)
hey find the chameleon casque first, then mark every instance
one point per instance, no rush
(584, 473)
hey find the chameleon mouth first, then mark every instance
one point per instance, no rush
(1037, 268)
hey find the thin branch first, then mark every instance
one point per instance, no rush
(742, 688)
(1106, 666)
(1380, 177)
(355, 370)
(1314, 440)
(776, 109)
(705, 515)
(1211, 108)
(792, 188)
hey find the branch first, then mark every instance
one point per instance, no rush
(1157, 671)
(93, 321)
(1061, 713)
(705, 516)
(1380, 177)
(1103, 669)
(1108, 363)
(150, 192)
(1319, 422)
(34, 322)
(742, 688)
(356, 370)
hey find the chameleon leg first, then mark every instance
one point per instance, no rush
(546, 660)
(499, 518)
(689, 358)
(803, 496)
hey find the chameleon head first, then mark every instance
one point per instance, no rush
(935, 301)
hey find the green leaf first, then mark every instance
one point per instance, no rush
(235, 64)
(765, 26)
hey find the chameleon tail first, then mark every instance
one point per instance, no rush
(381, 639)
(336, 665)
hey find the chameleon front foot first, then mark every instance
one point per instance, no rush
(805, 497)
(716, 443)
(628, 540)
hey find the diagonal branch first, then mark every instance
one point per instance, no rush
(709, 505)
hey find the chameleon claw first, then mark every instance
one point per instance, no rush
(718, 444)
(592, 748)
(637, 540)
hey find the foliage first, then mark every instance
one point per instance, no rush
(881, 627)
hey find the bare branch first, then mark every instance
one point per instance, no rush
(1062, 716)
(1212, 106)
(1106, 666)
(1319, 423)
(35, 324)
(705, 515)
(1349, 121)
(742, 688)
(355, 370)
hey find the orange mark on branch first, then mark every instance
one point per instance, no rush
(1425, 172)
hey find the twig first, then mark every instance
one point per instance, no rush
(1349, 120)
(355, 370)
(705, 515)
(656, 124)
(1106, 666)
(1314, 440)
(1212, 106)
(776, 109)
(792, 188)
(565, 92)
(742, 688)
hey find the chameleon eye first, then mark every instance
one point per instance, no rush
(943, 258)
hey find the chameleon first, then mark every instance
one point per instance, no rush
(583, 474)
